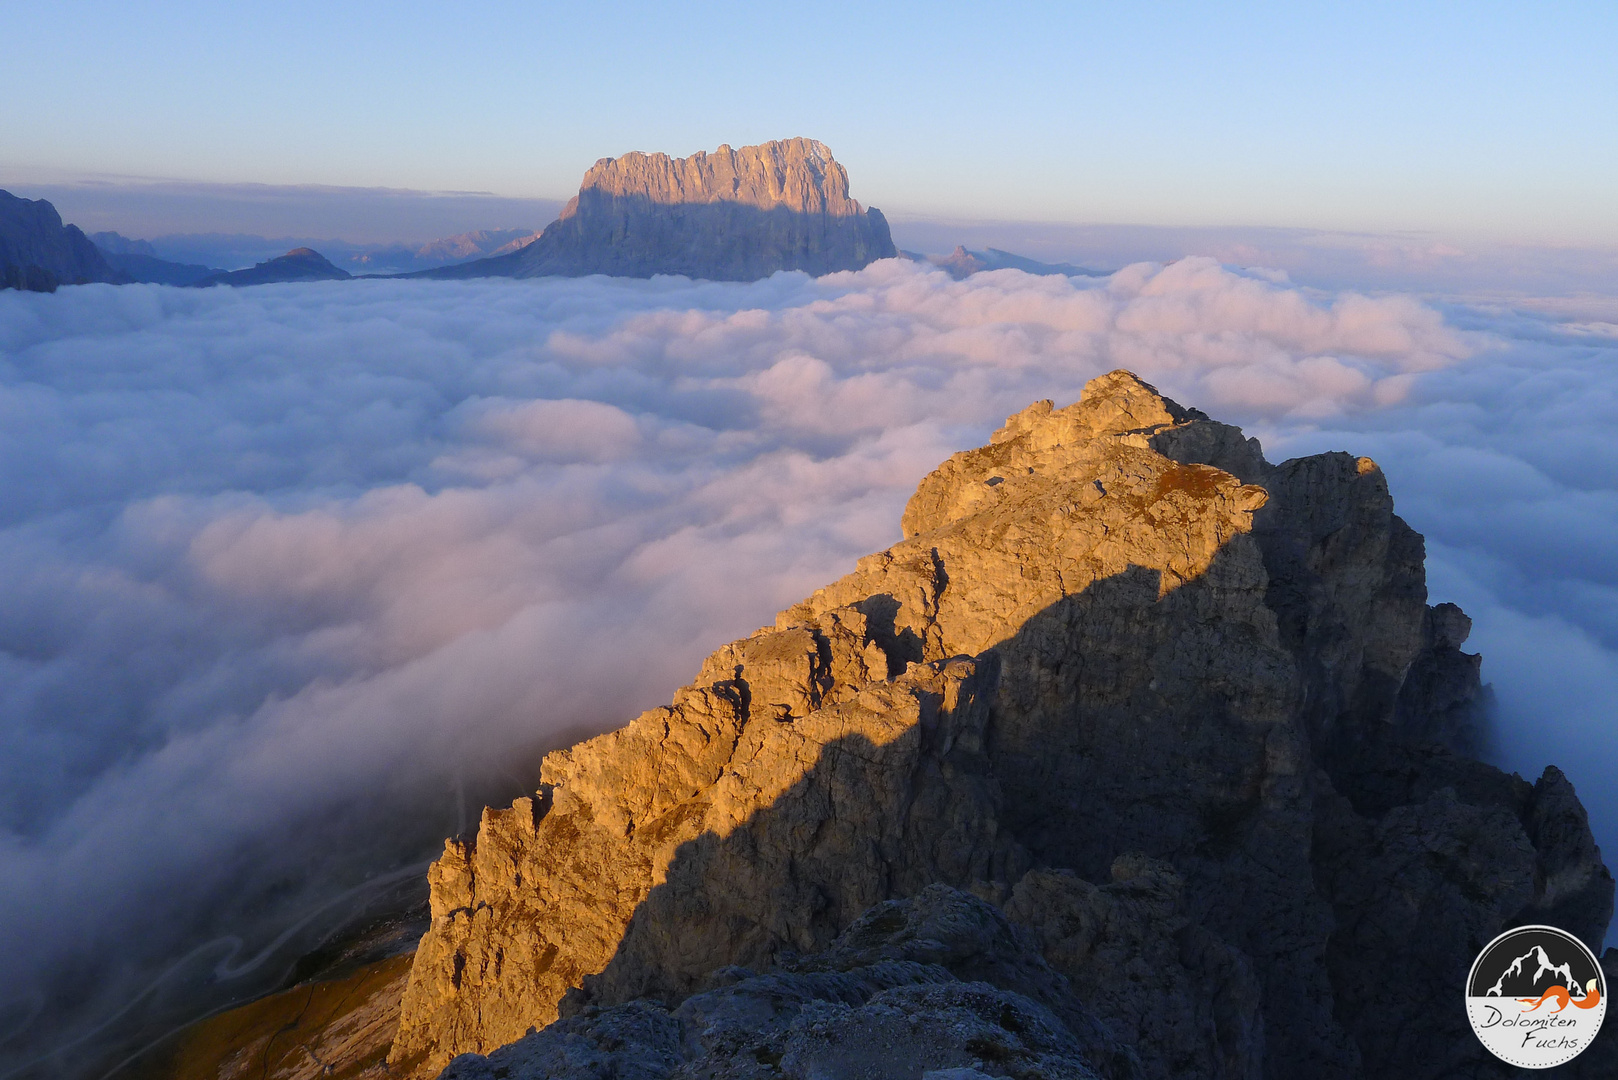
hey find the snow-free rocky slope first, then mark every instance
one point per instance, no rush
(732, 215)
(1138, 756)
(38, 253)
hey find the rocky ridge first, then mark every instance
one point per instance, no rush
(732, 215)
(38, 253)
(1115, 646)
(138, 261)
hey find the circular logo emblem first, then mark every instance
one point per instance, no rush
(1536, 997)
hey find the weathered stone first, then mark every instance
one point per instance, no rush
(737, 827)
(1187, 1003)
(926, 987)
(1115, 646)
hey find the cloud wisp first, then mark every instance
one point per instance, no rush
(289, 567)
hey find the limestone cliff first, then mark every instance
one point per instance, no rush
(732, 215)
(1183, 717)
(38, 253)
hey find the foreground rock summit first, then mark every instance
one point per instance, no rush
(1138, 757)
(732, 215)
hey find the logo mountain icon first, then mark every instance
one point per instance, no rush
(1516, 982)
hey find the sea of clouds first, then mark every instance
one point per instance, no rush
(296, 576)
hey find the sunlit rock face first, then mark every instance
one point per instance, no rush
(1183, 717)
(732, 215)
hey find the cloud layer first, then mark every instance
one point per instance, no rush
(1423, 263)
(287, 562)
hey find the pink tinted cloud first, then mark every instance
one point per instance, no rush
(280, 549)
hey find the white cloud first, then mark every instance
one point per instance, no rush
(276, 555)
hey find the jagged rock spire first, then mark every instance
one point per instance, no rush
(1115, 644)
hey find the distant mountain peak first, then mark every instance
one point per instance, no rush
(299, 264)
(961, 263)
(727, 215)
(112, 243)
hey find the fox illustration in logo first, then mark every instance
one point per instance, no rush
(1559, 994)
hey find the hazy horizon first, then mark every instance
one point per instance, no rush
(210, 223)
(1378, 118)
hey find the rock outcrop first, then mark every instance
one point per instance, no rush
(299, 264)
(38, 253)
(732, 215)
(941, 984)
(1182, 717)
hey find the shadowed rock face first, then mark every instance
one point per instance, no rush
(38, 253)
(1182, 716)
(733, 215)
(930, 985)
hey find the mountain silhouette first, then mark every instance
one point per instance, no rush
(38, 252)
(299, 264)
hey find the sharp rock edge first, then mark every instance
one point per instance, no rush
(1138, 757)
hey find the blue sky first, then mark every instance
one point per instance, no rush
(1484, 118)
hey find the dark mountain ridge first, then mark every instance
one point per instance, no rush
(138, 260)
(39, 254)
(299, 264)
(732, 215)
